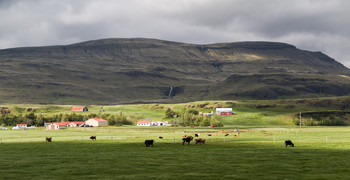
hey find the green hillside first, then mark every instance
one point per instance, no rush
(117, 71)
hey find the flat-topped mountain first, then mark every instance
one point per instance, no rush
(113, 71)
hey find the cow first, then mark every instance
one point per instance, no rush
(226, 134)
(209, 134)
(200, 141)
(288, 143)
(93, 138)
(160, 137)
(187, 139)
(149, 142)
(196, 135)
(48, 139)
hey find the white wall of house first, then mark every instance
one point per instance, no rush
(95, 123)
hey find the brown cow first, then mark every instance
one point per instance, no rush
(160, 137)
(226, 134)
(200, 141)
(187, 139)
(48, 139)
(93, 138)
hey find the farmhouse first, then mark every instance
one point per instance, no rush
(224, 111)
(152, 123)
(96, 122)
(81, 108)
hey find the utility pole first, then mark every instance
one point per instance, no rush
(299, 121)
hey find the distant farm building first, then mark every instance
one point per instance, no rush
(80, 108)
(63, 125)
(224, 111)
(96, 122)
(152, 123)
(57, 125)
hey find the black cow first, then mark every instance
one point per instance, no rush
(288, 143)
(226, 134)
(196, 135)
(187, 139)
(149, 142)
(200, 141)
(48, 139)
(160, 137)
(93, 138)
(209, 134)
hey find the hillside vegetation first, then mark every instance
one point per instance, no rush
(314, 112)
(118, 71)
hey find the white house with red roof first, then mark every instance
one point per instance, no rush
(152, 123)
(96, 122)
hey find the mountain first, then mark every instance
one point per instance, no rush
(113, 71)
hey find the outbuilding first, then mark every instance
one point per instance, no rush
(96, 122)
(80, 108)
(56, 126)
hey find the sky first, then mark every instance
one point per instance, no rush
(314, 25)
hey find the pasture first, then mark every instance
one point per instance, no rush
(120, 153)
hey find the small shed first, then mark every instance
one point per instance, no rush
(19, 126)
(56, 126)
(96, 122)
(80, 108)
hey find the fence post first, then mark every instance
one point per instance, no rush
(326, 138)
(274, 139)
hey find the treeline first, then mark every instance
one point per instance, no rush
(33, 119)
(321, 120)
(191, 117)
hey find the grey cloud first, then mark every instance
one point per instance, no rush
(316, 25)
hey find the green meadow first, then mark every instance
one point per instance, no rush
(257, 152)
(120, 153)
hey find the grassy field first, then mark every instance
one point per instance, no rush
(119, 153)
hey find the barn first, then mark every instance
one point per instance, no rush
(80, 108)
(96, 122)
(224, 111)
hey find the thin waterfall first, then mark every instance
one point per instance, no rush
(170, 91)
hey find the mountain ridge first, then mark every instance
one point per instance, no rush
(123, 70)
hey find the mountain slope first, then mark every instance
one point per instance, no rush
(112, 71)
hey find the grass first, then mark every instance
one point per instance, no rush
(119, 153)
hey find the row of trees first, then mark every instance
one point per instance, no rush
(191, 117)
(38, 120)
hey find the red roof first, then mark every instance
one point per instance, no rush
(78, 108)
(77, 122)
(97, 119)
(60, 123)
(144, 122)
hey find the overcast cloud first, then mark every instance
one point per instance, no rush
(315, 25)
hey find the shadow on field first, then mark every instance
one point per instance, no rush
(123, 160)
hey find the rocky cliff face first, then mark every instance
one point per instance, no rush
(112, 71)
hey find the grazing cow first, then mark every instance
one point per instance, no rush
(288, 143)
(200, 141)
(93, 138)
(149, 142)
(187, 139)
(226, 134)
(160, 137)
(209, 134)
(196, 135)
(48, 139)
